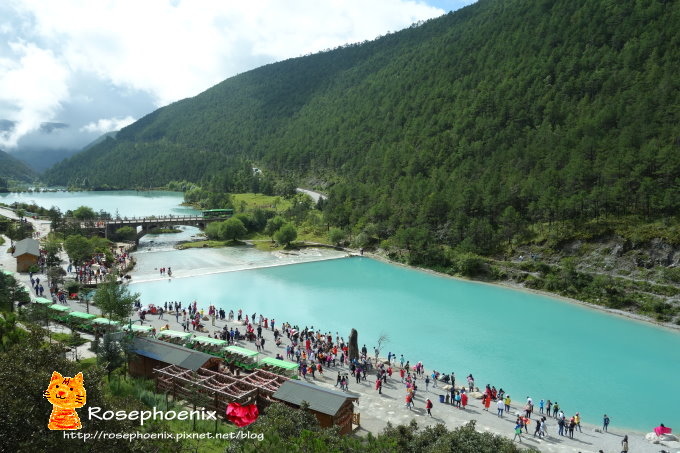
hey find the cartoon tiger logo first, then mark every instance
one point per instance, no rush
(66, 394)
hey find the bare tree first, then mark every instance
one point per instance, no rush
(383, 339)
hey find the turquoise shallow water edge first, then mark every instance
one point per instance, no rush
(531, 345)
(128, 203)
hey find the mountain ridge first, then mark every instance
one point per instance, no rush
(462, 129)
(12, 168)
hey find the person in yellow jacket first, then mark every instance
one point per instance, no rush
(577, 419)
(507, 402)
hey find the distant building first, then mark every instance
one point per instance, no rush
(331, 407)
(27, 252)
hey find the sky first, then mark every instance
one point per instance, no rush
(74, 69)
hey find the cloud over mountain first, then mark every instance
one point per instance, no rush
(73, 61)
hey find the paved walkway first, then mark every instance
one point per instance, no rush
(376, 410)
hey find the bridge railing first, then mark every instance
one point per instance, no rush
(102, 223)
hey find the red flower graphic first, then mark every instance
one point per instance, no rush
(242, 415)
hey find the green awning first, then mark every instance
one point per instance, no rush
(105, 321)
(59, 307)
(138, 328)
(42, 300)
(209, 340)
(82, 315)
(174, 334)
(279, 363)
(242, 351)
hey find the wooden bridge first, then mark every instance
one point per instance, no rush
(143, 225)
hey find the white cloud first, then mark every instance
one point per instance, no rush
(107, 124)
(173, 49)
(33, 85)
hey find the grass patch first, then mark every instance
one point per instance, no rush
(208, 244)
(244, 202)
(68, 339)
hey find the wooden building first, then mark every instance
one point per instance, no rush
(331, 407)
(26, 252)
(150, 354)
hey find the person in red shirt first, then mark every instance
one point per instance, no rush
(428, 406)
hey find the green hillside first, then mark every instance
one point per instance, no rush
(13, 169)
(460, 131)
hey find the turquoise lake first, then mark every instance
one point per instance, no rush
(531, 345)
(528, 344)
(128, 203)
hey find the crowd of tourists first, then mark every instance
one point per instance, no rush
(315, 352)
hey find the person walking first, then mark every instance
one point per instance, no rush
(605, 423)
(500, 406)
(577, 421)
(428, 406)
(624, 444)
(409, 401)
(463, 399)
(487, 402)
(560, 427)
(518, 431)
(427, 383)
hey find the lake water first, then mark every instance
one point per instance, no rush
(528, 344)
(587, 360)
(128, 203)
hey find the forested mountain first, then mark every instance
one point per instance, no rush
(40, 159)
(461, 129)
(12, 168)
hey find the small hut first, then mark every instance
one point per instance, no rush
(26, 252)
(331, 408)
(150, 354)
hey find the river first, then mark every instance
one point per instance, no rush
(125, 203)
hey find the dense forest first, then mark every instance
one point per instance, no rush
(13, 169)
(460, 131)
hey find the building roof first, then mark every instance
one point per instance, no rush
(170, 353)
(24, 246)
(319, 399)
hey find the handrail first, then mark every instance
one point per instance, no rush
(164, 218)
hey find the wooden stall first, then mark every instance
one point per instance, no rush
(26, 252)
(150, 354)
(331, 407)
(279, 366)
(241, 357)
